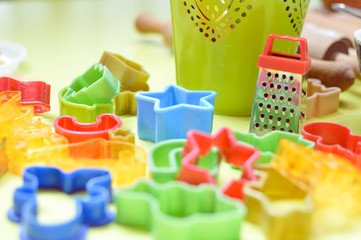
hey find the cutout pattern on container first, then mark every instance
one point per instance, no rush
(217, 18)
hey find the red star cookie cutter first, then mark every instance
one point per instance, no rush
(199, 144)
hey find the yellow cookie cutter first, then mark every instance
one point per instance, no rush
(126, 161)
(120, 134)
(332, 181)
(266, 200)
(133, 79)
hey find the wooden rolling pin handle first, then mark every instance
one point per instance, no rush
(332, 74)
(147, 23)
(350, 60)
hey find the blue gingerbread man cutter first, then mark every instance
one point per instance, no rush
(91, 210)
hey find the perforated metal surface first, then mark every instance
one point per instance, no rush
(279, 102)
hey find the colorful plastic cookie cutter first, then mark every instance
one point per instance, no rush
(91, 210)
(267, 144)
(12, 112)
(27, 138)
(125, 161)
(3, 157)
(170, 114)
(120, 134)
(181, 210)
(264, 199)
(199, 144)
(96, 85)
(331, 180)
(133, 79)
(126, 103)
(240, 156)
(74, 131)
(83, 113)
(131, 75)
(334, 138)
(36, 93)
(165, 160)
(12, 115)
(321, 100)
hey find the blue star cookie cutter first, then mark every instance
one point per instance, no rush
(170, 114)
(91, 210)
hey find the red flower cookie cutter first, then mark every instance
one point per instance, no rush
(35, 93)
(334, 138)
(74, 131)
(199, 144)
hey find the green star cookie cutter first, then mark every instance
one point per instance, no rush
(180, 210)
(96, 85)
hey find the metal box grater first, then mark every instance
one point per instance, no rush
(281, 93)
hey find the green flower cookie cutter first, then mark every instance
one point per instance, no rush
(165, 160)
(268, 143)
(83, 113)
(96, 85)
(179, 210)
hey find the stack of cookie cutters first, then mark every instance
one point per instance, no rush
(90, 94)
(36, 93)
(124, 160)
(74, 131)
(133, 79)
(334, 138)
(180, 210)
(170, 114)
(91, 210)
(321, 100)
(262, 198)
(328, 178)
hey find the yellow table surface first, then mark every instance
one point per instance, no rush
(63, 39)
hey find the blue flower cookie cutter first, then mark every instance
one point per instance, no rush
(90, 210)
(171, 113)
